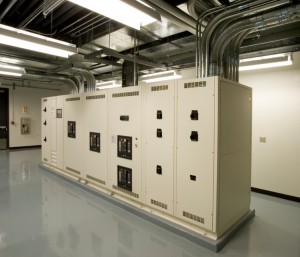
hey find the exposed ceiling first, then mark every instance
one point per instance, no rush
(104, 44)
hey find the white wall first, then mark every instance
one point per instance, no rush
(31, 98)
(276, 116)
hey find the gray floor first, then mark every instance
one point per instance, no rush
(44, 216)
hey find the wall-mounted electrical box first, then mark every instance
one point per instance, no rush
(72, 129)
(25, 126)
(95, 142)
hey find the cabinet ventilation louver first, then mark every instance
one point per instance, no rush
(94, 97)
(193, 217)
(95, 179)
(72, 99)
(126, 191)
(72, 170)
(159, 204)
(126, 94)
(159, 88)
(195, 84)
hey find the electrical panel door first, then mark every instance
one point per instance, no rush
(57, 152)
(46, 130)
(95, 137)
(73, 134)
(159, 145)
(125, 142)
(195, 151)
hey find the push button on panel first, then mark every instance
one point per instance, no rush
(194, 136)
(159, 133)
(159, 115)
(194, 115)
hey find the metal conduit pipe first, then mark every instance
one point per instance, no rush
(203, 43)
(216, 57)
(198, 59)
(192, 5)
(6, 10)
(203, 54)
(248, 9)
(89, 78)
(266, 7)
(71, 85)
(232, 56)
(234, 60)
(238, 45)
(288, 15)
(259, 22)
(77, 82)
(224, 25)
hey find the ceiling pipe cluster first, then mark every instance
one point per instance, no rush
(217, 51)
(83, 77)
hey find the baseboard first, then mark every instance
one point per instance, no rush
(25, 147)
(279, 195)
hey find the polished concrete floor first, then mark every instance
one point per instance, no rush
(42, 215)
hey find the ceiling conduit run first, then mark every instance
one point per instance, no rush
(258, 21)
(217, 47)
(81, 75)
(232, 32)
(244, 10)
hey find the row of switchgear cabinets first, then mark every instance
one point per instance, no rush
(153, 144)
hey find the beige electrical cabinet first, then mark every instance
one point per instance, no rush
(179, 149)
(125, 142)
(46, 130)
(95, 137)
(160, 145)
(73, 134)
(213, 152)
(57, 132)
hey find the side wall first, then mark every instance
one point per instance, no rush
(276, 112)
(20, 97)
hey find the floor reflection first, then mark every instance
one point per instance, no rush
(42, 215)
(80, 224)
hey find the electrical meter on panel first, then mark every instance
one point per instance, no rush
(125, 127)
